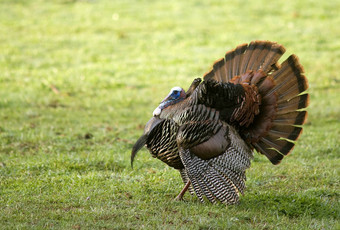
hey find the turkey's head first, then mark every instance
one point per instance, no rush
(176, 95)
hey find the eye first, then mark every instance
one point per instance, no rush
(175, 94)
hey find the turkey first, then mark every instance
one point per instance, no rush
(246, 102)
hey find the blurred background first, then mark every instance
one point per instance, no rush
(79, 79)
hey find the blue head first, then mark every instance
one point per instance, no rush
(176, 95)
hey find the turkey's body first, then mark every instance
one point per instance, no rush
(208, 133)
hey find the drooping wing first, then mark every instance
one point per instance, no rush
(215, 167)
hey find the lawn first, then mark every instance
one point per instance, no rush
(79, 79)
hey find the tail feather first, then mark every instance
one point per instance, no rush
(265, 86)
(271, 59)
(289, 79)
(238, 57)
(291, 64)
(247, 57)
(291, 92)
(282, 146)
(285, 131)
(291, 118)
(294, 104)
(281, 88)
(258, 55)
(229, 57)
(255, 62)
(272, 154)
(219, 71)
(288, 89)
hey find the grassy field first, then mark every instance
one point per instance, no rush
(79, 79)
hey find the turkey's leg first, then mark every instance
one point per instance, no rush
(181, 194)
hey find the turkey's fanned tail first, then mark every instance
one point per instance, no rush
(275, 128)
(290, 83)
(257, 55)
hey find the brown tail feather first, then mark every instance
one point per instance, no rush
(247, 56)
(229, 57)
(260, 52)
(289, 80)
(294, 104)
(281, 88)
(239, 51)
(289, 84)
(288, 132)
(289, 88)
(258, 55)
(270, 61)
(274, 156)
(292, 118)
(219, 71)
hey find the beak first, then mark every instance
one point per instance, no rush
(152, 123)
(169, 96)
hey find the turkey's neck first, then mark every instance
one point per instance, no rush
(176, 109)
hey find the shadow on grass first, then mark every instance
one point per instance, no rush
(293, 206)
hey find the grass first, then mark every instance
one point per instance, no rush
(79, 79)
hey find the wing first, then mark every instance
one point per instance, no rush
(216, 165)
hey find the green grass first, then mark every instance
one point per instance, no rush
(64, 154)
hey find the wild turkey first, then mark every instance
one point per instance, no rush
(246, 101)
